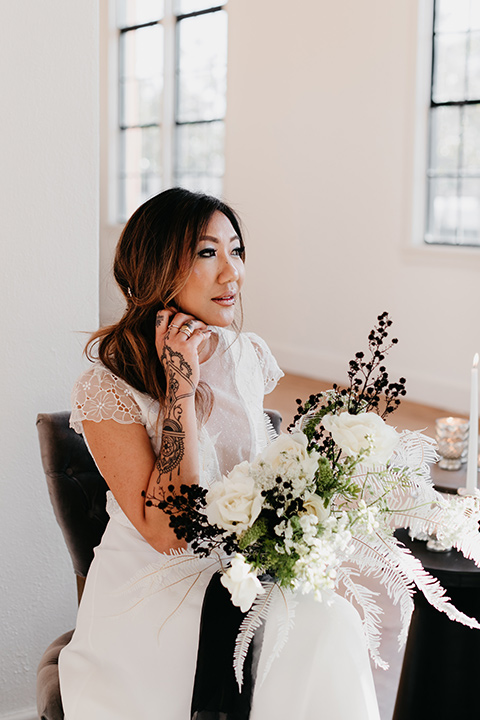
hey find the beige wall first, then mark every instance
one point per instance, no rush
(320, 157)
(49, 270)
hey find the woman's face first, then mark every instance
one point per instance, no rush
(217, 275)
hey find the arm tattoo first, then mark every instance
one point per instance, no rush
(173, 435)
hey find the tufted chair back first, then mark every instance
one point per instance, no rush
(77, 492)
(76, 488)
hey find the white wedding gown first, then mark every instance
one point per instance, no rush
(133, 653)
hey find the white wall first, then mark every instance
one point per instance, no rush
(320, 137)
(49, 270)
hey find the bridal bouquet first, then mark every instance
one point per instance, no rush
(319, 506)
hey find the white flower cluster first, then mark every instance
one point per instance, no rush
(366, 518)
(364, 434)
(287, 458)
(242, 582)
(283, 478)
(460, 516)
(320, 556)
(236, 502)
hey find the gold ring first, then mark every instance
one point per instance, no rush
(186, 331)
(189, 325)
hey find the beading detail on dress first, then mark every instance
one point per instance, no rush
(100, 395)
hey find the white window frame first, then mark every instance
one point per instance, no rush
(110, 96)
(111, 302)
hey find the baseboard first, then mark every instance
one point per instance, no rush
(30, 714)
(434, 391)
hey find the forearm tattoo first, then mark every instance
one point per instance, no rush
(172, 449)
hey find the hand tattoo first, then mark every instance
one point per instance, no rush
(158, 321)
(173, 436)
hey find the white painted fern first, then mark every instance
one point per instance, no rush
(372, 559)
(180, 568)
(251, 622)
(285, 620)
(372, 624)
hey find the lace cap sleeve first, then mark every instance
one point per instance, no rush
(271, 371)
(99, 395)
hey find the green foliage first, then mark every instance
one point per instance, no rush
(311, 426)
(254, 533)
(326, 481)
(279, 565)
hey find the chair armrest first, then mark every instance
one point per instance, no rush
(49, 702)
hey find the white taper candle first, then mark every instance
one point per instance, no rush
(472, 464)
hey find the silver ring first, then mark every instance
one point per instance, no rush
(186, 331)
(175, 326)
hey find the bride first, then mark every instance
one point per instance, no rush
(174, 396)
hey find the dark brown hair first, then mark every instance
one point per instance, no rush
(153, 261)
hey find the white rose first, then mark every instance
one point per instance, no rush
(365, 432)
(235, 502)
(242, 583)
(313, 505)
(287, 452)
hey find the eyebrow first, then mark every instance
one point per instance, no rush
(216, 240)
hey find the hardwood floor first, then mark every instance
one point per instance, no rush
(414, 417)
(409, 415)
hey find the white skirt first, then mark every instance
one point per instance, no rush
(133, 654)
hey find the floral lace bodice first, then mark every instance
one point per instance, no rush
(240, 372)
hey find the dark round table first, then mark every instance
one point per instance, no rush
(441, 668)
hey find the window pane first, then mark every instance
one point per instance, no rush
(141, 52)
(141, 75)
(202, 67)
(452, 15)
(182, 7)
(444, 210)
(137, 12)
(140, 167)
(202, 96)
(471, 139)
(140, 151)
(140, 102)
(449, 69)
(474, 67)
(445, 139)
(475, 15)
(469, 226)
(200, 149)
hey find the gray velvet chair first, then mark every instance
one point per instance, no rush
(77, 492)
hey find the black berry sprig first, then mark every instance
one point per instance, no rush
(188, 520)
(315, 408)
(369, 383)
(369, 388)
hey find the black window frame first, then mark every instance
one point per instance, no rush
(460, 174)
